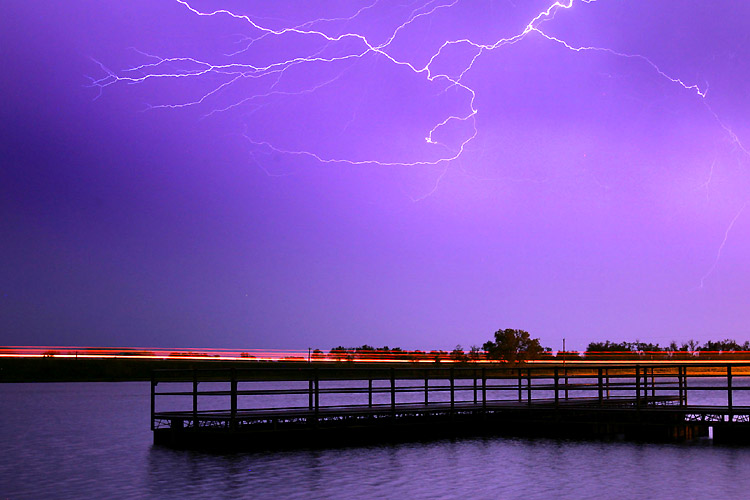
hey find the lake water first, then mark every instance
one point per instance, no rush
(92, 440)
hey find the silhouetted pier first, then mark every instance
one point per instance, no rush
(340, 404)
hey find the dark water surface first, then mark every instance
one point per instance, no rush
(92, 440)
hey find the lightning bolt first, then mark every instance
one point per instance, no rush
(723, 243)
(706, 185)
(352, 47)
(192, 68)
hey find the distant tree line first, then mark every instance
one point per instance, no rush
(711, 349)
(508, 345)
(367, 352)
(517, 346)
(513, 346)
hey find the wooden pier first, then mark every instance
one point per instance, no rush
(334, 405)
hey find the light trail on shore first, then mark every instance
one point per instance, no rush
(569, 358)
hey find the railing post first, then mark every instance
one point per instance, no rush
(369, 393)
(520, 389)
(233, 400)
(195, 399)
(606, 373)
(653, 383)
(316, 377)
(153, 398)
(453, 398)
(528, 385)
(393, 392)
(475, 386)
(310, 390)
(601, 387)
(557, 388)
(637, 386)
(643, 373)
(729, 391)
(484, 389)
(685, 384)
(565, 372)
(426, 388)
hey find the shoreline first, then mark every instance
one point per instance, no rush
(51, 369)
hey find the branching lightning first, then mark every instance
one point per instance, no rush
(723, 243)
(706, 185)
(354, 46)
(194, 68)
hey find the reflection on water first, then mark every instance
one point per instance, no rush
(93, 440)
(477, 468)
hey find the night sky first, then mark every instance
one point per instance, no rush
(169, 178)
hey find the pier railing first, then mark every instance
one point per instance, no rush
(200, 395)
(269, 403)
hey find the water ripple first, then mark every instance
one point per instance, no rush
(92, 441)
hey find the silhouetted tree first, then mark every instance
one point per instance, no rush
(568, 355)
(691, 345)
(416, 355)
(513, 346)
(458, 354)
(646, 347)
(342, 353)
(437, 355)
(726, 345)
(608, 346)
(637, 346)
(475, 352)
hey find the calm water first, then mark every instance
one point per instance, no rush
(92, 440)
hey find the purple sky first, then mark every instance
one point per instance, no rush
(594, 194)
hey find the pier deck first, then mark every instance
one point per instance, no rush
(240, 409)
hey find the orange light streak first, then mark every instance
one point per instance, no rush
(250, 355)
